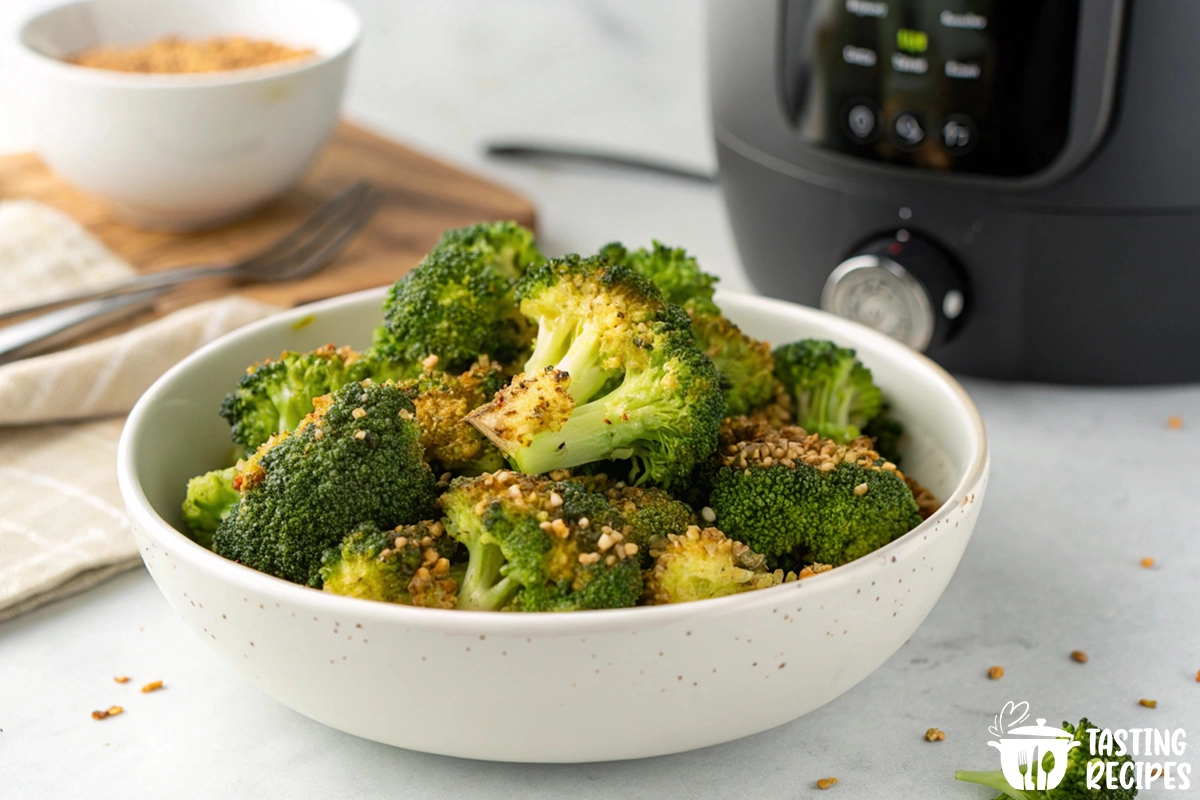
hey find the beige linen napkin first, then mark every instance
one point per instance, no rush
(62, 524)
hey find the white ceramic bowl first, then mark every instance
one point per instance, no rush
(584, 686)
(184, 151)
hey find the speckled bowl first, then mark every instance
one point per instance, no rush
(588, 686)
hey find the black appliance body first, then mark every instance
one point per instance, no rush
(1012, 187)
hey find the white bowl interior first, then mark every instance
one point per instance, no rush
(327, 26)
(943, 436)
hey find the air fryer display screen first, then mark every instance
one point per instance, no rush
(973, 86)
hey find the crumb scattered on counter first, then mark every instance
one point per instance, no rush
(121, 679)
(996, 673)
(825, 783)
(152, 686)
(1080, 656)
(1174, 423)
(1147, 562)
(935, 735)
(111, 711)
(1148, 703)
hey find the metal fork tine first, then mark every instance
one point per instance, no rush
(328, 210)
(327, 247)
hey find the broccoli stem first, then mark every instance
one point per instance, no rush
(993, 779)
(595, 431)
(483, 587)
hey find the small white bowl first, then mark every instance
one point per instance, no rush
(583, 686)
(184, 151)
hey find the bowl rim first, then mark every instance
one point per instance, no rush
(540, 623)
(180, 80)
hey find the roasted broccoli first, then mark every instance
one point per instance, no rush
(698, 564)
(442, 400)
(672, 270)
(457, 304)
(886, 432)
(626, 379)
(272, 397)
(540, 545)
(745, 364)
(833, 394)
(649, 512)
(409, 564)
(357, 458)
(1074, 783)
(780, 491)
(210, 498)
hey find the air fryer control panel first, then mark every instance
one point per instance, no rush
(966, 86)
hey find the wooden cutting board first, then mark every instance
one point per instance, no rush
(421, 198)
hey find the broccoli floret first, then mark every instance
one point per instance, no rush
(275, 395)
(626, 380)
(458, 302)
(672, 270)
(539, 545)
(442, 400)
(832, 392)
(357, 458)
(784, 490)
(210, 498)
(886, 432)
(1074, 781)
(650, 513)
(746, 365)
(409, 564)
(699, 564)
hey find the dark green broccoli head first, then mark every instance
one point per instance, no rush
(672, 270)
(833, 394)
(275, 395)
(1073, 785)
(886, 432)
(210, 498)
(357, 458)
(457, 304)
(409, 564)
(615, 375)
(700, 564)
(649, 512)
(783, 490)
(442, 401)
(746, 365)
(540, 545)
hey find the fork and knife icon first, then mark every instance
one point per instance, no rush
(1031, 775)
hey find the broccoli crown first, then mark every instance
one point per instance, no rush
(442, 400)
(275, 395)
(458, 302)
(639, 389)
(210, 498)
(672, 270)
(746, 365)
(409, 564)
(833, 393)
(649, 512)
(1074, 781)
(540, 545)
(782, 490)
(357, 458)
(699, 564)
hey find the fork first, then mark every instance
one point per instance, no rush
(1023, 767)
(308, 248)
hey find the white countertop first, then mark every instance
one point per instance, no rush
(1084, 484)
